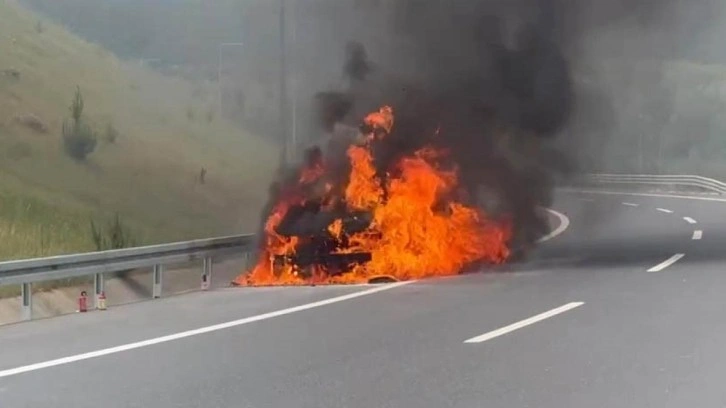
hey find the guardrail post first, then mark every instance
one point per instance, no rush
(158, 271)
(247, 260)
(26, 296)
(207, 273)
(98, 288)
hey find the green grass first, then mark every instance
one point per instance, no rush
(148, 175)
(31, 228)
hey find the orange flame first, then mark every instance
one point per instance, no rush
(383, 119)
(417, 232)
(336, 228)
(363, 191)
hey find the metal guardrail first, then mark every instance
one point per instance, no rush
(28, 271)
(653, 179)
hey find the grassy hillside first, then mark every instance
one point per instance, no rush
(168, 130)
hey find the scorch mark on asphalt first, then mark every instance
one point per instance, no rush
(668, 262)
(195, 332)
(524, 323)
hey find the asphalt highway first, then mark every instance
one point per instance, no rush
(623, 309)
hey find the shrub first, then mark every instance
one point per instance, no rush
(79, 140)
(111, 134)
(115, 236)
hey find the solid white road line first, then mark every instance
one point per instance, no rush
(564, 223)
(668, 262)
(631, 204)
(524, 323)
(665, 210)
(689, 220)
(195, 332)
(697, 234)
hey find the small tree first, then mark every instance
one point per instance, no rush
(77, 106)
(111, 133)
(115, 236)
(79, 140)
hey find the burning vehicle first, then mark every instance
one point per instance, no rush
(348, 222)
(473, 106)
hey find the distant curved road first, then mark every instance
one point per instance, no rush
(624, 309)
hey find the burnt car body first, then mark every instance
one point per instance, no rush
(318, 247)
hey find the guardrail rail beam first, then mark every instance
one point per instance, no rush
(704, 183)
(27, 271)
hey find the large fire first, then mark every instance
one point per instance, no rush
(408, 223)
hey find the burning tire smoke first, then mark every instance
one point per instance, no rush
(449, 173)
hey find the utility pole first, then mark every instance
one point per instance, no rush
(283, 87)
(293, 90)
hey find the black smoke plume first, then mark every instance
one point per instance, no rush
(489, 80)
(491, 97)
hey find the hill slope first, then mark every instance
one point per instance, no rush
(168, 131)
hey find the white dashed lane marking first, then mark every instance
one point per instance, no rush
(697, 234)
(665, 210)
(689, 220)
(631, 204)
(668, 262)
(524, 323)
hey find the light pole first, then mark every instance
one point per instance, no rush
(219, 70)
(293, 90)
(288, 97)
(284, 153)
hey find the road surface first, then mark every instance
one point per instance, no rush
(623, 309)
